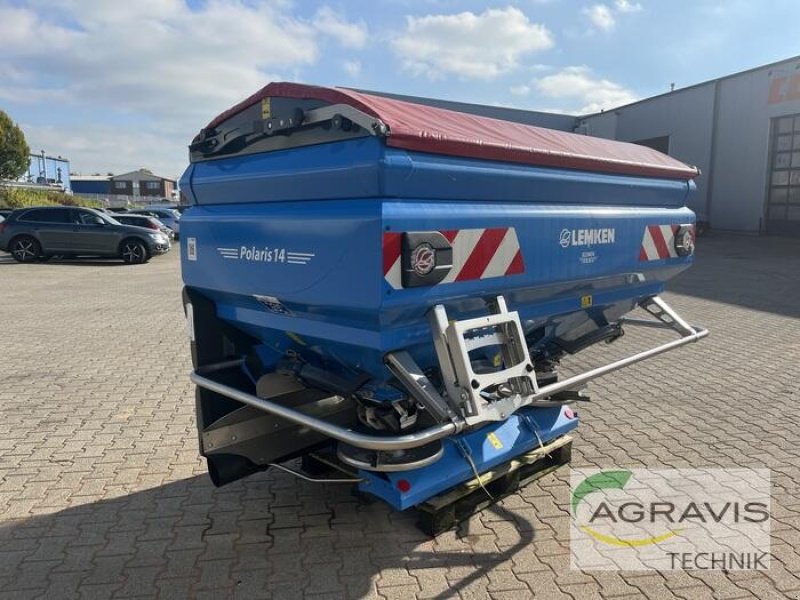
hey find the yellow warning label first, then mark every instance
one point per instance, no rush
(494, 441)
(586, 301)
(266, 108)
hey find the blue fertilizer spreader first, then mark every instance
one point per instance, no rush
(388, 289)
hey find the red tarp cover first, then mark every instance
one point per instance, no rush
(428, 129)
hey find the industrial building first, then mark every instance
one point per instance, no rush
(84, 185)
(52, 171)
(139, 185)
(741, 130)
(143, 184)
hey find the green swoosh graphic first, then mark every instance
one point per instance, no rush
(605, 480)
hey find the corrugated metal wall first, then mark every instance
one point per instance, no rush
(723, 127)
(685, 116)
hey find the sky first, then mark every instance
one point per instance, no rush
(117, 85)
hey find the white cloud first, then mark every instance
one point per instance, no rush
(600, 16)
(476, 46)
(114, 149)
(520, 90)
(157, 70)
(604, 18)
(580, 85)
(350, 35)
(352, 68)
(626, 6)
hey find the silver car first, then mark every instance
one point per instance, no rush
(168, 216)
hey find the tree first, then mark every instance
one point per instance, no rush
(14, 150)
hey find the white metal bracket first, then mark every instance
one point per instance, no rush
(480, 394)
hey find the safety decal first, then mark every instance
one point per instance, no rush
(658, 242)
(494, 441)
(476, 254)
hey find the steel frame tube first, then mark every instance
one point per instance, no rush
(577, 380)
(371, 442)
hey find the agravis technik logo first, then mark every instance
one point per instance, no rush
(670, 519)
(606, 480)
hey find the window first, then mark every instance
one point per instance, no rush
(153, 185)
(120, 185)
(87, 218)
(783, 196)
(46, 215)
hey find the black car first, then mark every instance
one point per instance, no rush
(31, 234)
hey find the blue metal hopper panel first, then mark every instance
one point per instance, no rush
(365, 168)
(489, 446)
(316, 269)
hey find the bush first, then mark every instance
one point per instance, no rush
(13, 197)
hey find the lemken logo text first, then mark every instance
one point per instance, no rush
(587, 237)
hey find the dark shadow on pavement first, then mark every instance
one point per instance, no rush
(5, 259)
(270, 536)
(761, 273)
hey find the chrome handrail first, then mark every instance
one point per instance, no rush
(361, 440)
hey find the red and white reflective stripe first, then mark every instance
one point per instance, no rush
(392, 249)
(477, 254)
(658, 242)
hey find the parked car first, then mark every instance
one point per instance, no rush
(143, 221)
(4, 212)
(168, 216)
(39, 233)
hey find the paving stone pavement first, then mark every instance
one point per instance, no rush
(103, 495)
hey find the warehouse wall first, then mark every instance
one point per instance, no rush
(742, 148)
(92, 186)
(732, 190)
(685, 116)
(721, 126)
